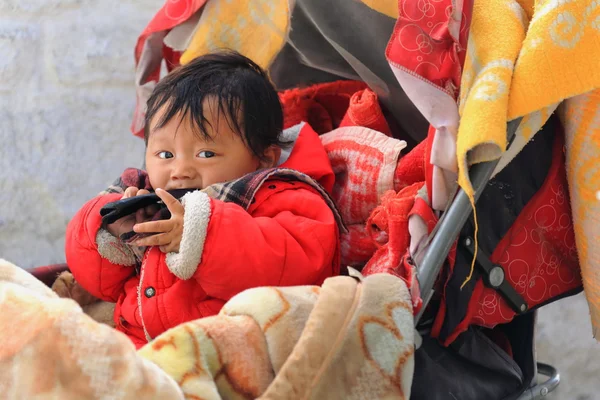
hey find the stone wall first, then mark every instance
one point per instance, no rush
(66, 99)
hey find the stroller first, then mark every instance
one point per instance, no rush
(477, 327)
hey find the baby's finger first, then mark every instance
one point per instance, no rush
(174, 206)
(130, 192)
(153, 227)
(172, 247)
(142, 191)
(140, 216)
(151, 210)
(155, 240)
(167, 248)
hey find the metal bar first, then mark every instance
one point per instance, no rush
(541, 390)
(452, 222)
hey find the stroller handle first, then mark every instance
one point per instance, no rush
(451, 223)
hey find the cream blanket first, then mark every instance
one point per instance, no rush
(350, 339)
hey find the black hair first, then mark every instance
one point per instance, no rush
(242, 90)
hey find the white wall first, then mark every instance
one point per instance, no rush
(66, 98)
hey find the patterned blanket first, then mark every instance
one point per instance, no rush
(352, 338)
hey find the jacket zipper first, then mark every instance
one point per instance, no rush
(139, 295)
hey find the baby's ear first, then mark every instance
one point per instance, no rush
(271, 157)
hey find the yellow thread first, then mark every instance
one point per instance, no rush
(475, 244)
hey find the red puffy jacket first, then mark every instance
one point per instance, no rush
(288, 236)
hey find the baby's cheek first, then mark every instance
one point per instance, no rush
(156, 176)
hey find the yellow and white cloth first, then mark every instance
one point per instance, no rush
(256, 28)
(524, 59)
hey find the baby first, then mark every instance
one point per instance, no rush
(261, 215)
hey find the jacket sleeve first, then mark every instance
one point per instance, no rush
(290, 238)
(100, 262)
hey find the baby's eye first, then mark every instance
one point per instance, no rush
(165, 154)
(206, 154)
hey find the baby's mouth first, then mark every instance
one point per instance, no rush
(190, 186)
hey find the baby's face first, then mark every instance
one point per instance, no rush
(178, 158)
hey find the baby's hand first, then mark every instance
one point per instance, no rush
(167, 233)
(132, 191)
(125, 224)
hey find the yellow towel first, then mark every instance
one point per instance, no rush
(525, 57)
(256, 28)
(386, 7)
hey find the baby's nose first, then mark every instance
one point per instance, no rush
(183, 171)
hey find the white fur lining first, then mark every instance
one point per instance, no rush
(112, 249)
(195, 224)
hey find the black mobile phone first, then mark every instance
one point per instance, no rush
(116, 210)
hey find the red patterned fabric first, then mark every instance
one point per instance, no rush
(172, 13)
(538, 255)
(428, 41)
(361, 163)
(426, 53)
(364, 162)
